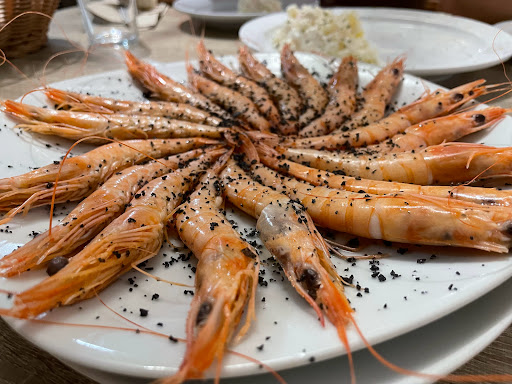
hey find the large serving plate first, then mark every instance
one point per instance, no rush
(429, 288)
(437, 356)
(434, 43)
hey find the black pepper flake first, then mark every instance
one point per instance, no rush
(173, 339)
(143, 312)
(260, 347)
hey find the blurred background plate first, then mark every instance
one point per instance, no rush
(223, 13)
(434, 43)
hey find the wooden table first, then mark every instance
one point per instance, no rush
(20, 361)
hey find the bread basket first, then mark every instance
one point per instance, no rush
(28, 33)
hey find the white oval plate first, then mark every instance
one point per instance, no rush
(434, 43)
(420, 296)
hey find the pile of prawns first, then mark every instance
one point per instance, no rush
(289, 151)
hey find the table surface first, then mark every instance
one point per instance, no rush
(20, 361)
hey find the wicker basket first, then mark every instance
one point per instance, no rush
(27, 33)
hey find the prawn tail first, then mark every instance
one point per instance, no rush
(241, 140)
(209, 65)
(264, 137)
(73, 102)
(144, 73)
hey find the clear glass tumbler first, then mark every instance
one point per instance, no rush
(110, 22)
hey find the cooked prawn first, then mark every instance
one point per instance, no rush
(234, 102)
(401, 217)
(218, 72)
(226, 278)
(79, 125)
(429, 106)
(443, 164)
(90, 216)
(286, 98)
(289, 234)
(342, 100)
(79, 176)
(477, 195)
(377, 95)
(437, 131)
(81, 102)
(167, 89)
(309, 88)
(135, 235)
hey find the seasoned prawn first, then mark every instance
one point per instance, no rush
(443, 164)
(135, 235)
(234, 102)
(90, 216)
(79, 176)
(437, 131)
(79, 125)
(429, 106)
(477, 195)
(167, 89)
(286, 98)
(289, 234)
(226, 278)
(218, 72)
(309, 88)
(401, 217)
(377, 95)
(342, 100)
(87, 103)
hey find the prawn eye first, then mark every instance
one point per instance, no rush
(309, 278)
(56, 264)
(457, 97)
(202, 314)
(479, 118)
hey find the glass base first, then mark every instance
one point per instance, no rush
(115, 37)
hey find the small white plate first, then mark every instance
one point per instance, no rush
(392, 308)
(226, 13)
(439, 357)
(434, 43)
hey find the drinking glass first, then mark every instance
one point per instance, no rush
(110, 22)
